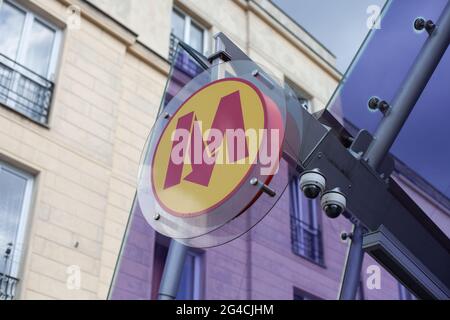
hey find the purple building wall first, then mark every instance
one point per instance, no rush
(259, 265)
(133, 277)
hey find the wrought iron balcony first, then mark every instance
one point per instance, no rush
(8, 286)
(306, 241)
(24, 91)
(174, 40)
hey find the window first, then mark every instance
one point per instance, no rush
(404, 293)
(303, 295)
(306, 236)
(28, 52)
(185, 29)
(191, 283)
(15, 198)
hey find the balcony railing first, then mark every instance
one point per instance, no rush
(24, 91)
(174, 40)
(306, 241)
(8, 286)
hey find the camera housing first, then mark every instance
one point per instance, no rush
(312, 183)
(333, 203)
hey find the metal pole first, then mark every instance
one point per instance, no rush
(173, 270)
(408, 95)
(353, 265)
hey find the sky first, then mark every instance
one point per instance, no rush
(339, 25)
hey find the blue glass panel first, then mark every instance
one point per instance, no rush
(380, 69)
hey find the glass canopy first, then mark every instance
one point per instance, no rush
(379, 69)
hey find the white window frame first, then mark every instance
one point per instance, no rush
(30, 16)
(188, 21)
(17, 252)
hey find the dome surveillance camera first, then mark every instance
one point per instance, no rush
(333, 203)
(312, 183)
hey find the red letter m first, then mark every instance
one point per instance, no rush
(228, 116)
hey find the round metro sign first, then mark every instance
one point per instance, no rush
(212, 145)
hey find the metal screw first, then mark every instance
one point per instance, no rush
(8, 250)
(420, 24)
(166, 115)
(157, 216)
(345, 236)
(373, 103)
(383, 106)
(265, 188)
(430, 26)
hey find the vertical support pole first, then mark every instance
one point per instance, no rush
(173, 270)
(353, 264)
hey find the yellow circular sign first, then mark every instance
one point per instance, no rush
(205, 152)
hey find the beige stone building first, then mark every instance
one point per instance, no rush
(80, 85)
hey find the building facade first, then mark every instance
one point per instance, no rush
(80, 86)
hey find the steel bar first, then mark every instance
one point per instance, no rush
(173, 270)
(353, 264)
